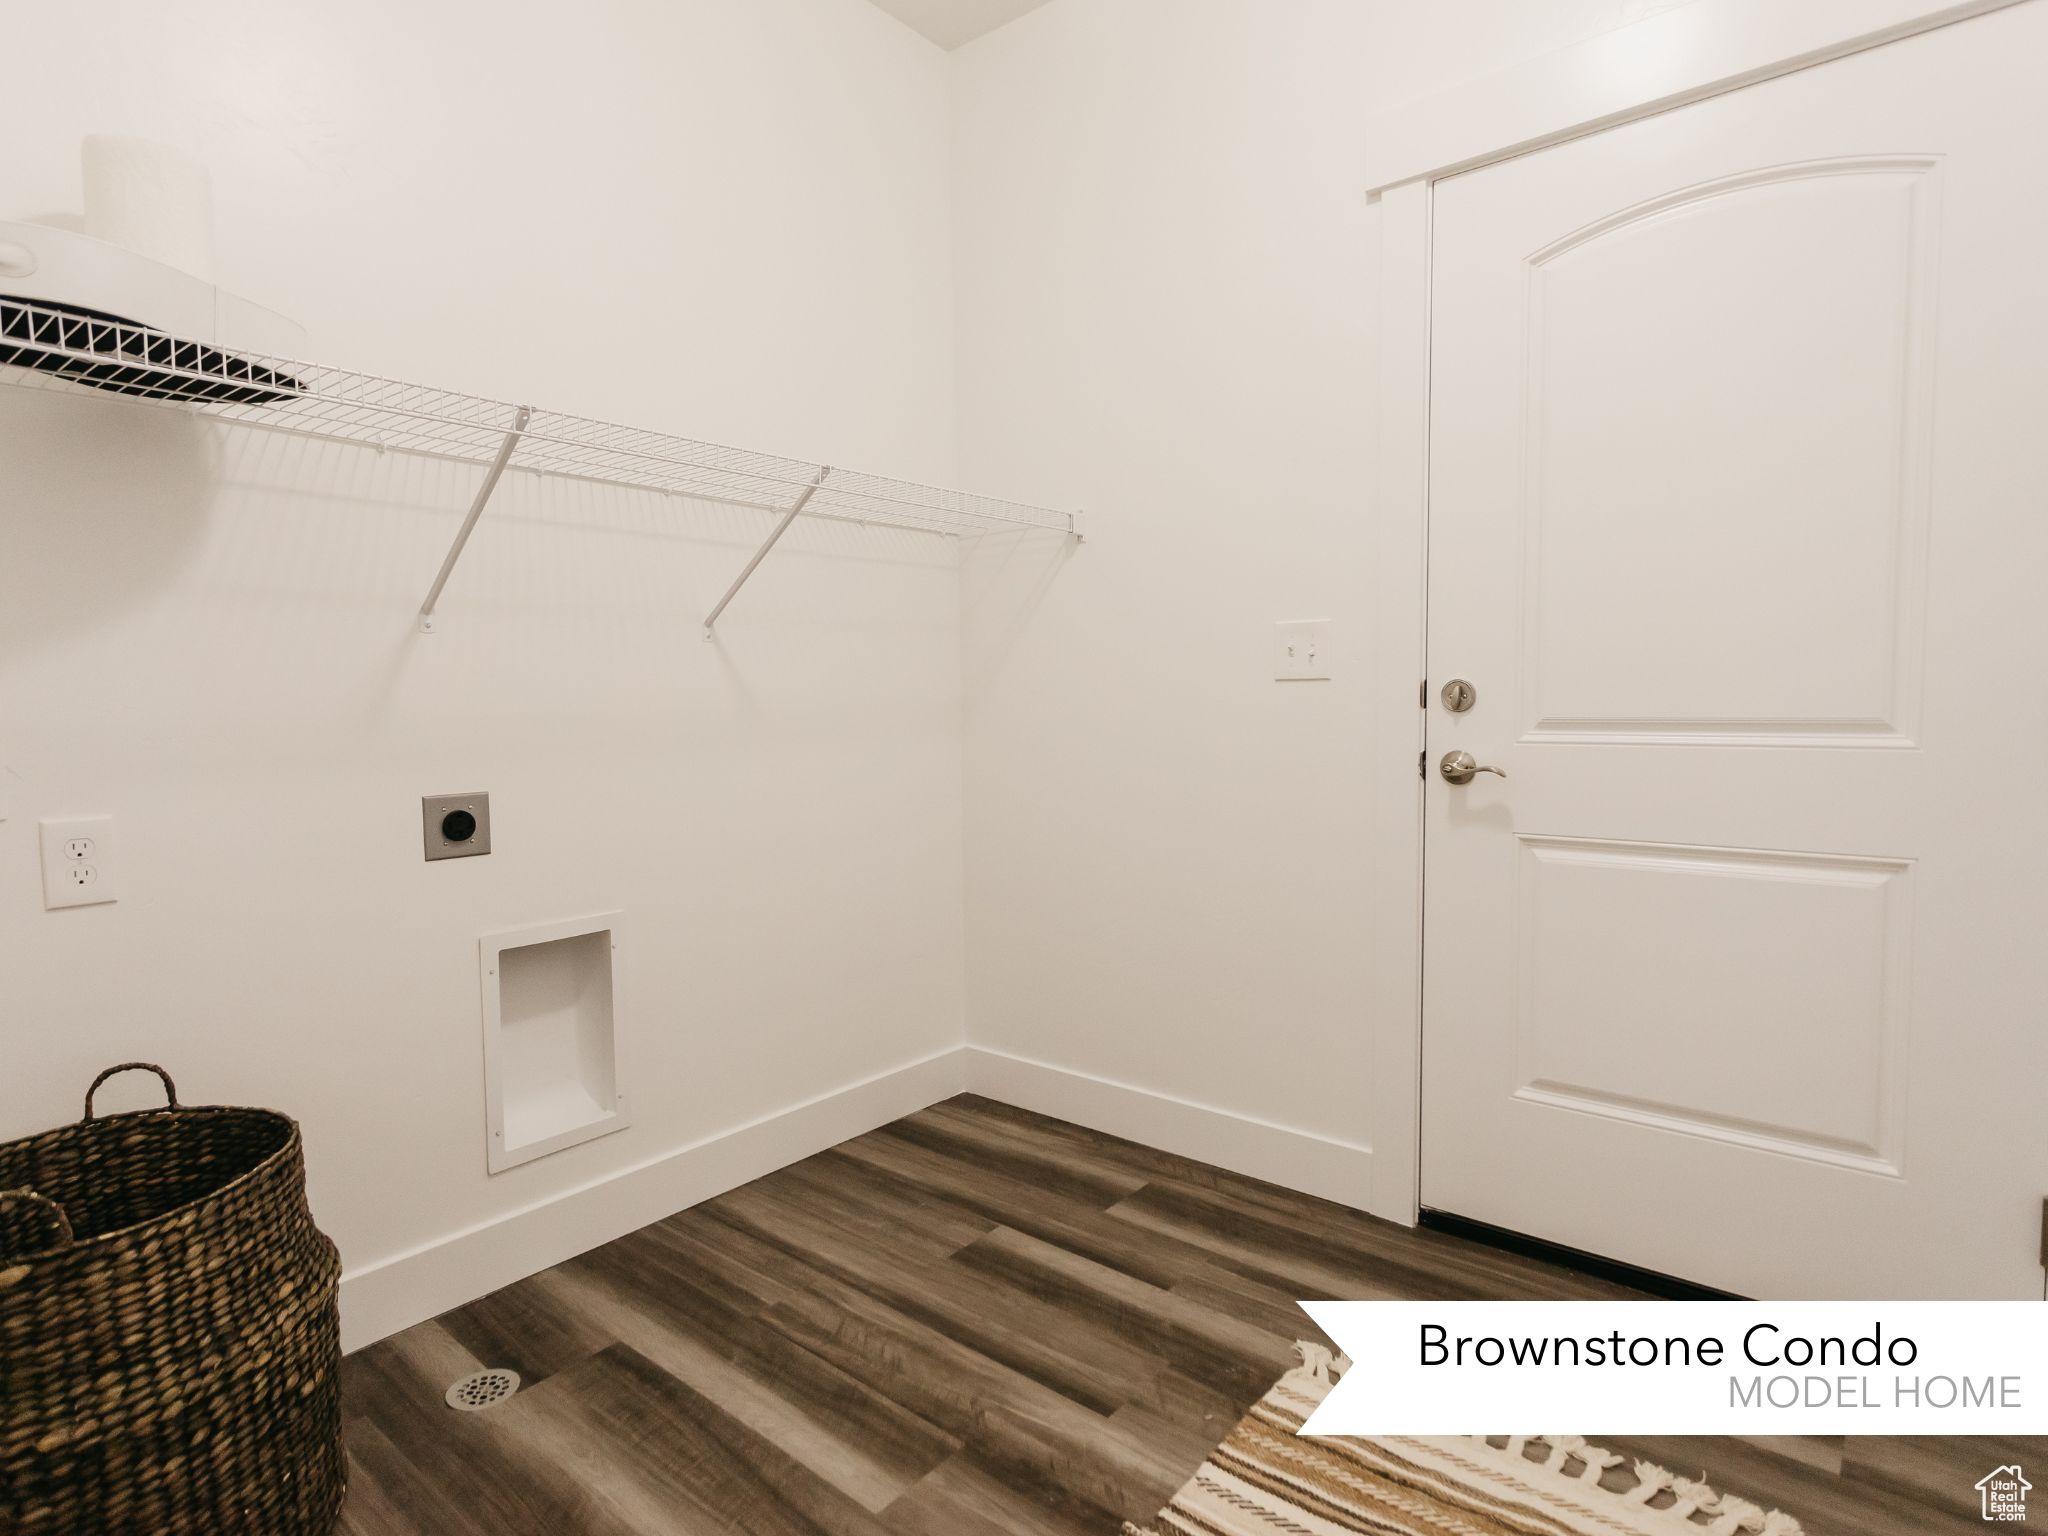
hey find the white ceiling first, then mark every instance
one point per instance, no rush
(949, 23)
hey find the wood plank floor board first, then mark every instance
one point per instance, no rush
(399, 1384)
(746, 1276)
(1007, 1200)
(1821, 1451)
(1051, 1345)
(861, 1226)
(1184, 1414)
(1924, 1468)
(388, 1494)
(945, 1225)
(1161, 1258)
(1070, 1173)
(974, 1322)
(1273, 1308)
(1303, 1276)
(722, 1474)
(865, 1443)
(1214, 1346)
(634, 1482)
(1110, 1152)
(965, 1498)
(1487, 1272)
(1039, 1437)
(1353, 1247)
(515, 1329)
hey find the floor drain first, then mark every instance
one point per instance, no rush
(483, 1390)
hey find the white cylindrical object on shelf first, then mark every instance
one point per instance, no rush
(155, 200)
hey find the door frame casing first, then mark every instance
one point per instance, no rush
(1693, 53)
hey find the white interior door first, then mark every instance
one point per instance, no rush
(1739, 530)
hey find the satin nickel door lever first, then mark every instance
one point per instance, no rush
(1463, 767)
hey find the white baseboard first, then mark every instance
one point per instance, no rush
(1315, 1165)
(394, 1293)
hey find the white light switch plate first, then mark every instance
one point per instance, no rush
(1301, 651)
(78, 861)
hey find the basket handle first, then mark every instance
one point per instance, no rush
(170, 1088)
(65, 1236)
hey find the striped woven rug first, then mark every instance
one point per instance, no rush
(1265, 1480)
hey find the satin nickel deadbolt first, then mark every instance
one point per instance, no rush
(1459, 695)
(1463, 768)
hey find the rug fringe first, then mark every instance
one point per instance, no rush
(1570, 1463)
(1726, 1515)
(1320, 1366)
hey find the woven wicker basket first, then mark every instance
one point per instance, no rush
(168, 1345)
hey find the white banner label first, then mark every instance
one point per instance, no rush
(1687, 1367)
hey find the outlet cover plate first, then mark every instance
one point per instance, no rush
(78, 861)
(434, 813)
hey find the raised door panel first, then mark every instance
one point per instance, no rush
(1725, 505)
(1748, 997)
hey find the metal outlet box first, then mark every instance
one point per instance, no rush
(455, 826)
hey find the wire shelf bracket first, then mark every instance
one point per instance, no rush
(55, 346)
(803, 500)
(476, 510)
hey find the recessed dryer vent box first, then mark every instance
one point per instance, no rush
(551, 1056)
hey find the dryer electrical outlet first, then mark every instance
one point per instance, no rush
(78, 861)
(455, 826)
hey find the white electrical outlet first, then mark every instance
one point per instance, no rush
(78, 861)
(1301, 651)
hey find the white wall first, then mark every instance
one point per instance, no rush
(720, 217)
(1165, 266)
(743, 219)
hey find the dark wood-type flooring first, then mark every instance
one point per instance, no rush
(973, 1322)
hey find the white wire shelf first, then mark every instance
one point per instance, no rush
(48, 344)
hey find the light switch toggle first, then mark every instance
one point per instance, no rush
(1301, 651)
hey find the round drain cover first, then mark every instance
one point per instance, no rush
(482, 1390)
